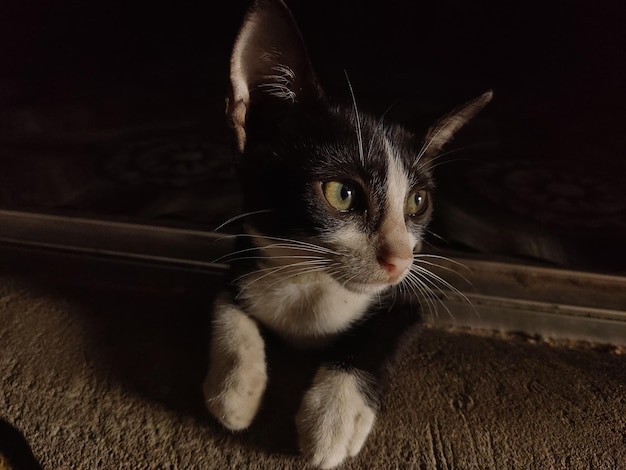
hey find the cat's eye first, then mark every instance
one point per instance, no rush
(341, 196)
(416, 203)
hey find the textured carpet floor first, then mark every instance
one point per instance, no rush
(110, 378)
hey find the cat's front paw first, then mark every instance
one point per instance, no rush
(237, 377)
(234, 398)
(334, 419)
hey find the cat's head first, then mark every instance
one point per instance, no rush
(352, 192)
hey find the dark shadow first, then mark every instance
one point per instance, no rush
(155, 342)
(149, 330)
(14, 450)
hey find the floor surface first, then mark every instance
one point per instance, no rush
(108, 375)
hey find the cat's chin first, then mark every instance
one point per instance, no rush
(367, 288)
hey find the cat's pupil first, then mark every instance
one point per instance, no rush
(346, 192)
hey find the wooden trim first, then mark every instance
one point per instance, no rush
(505, 296)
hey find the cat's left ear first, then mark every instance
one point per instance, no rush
(269, 61)
(443, 132)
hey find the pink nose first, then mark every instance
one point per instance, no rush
(394, 266)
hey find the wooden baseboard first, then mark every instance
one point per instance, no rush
(477, 293)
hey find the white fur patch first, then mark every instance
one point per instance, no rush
(237, 376)
(348, 237)
(394, 234)
(334, 419)
(293, 294)
(397, 184)
(305, 308)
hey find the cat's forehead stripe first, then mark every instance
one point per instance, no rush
(393, 228)
(397, 181)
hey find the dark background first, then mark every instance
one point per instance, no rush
(569, 53)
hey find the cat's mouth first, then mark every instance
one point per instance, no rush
(373, 287)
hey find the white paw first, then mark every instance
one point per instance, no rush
(334, 418)
(237, 377)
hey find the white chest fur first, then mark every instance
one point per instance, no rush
(303, 309)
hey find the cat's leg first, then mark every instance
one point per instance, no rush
(237, 375)
(338, 411)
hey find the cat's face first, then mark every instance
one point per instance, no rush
(373, 203)
(333, 190)
(358, 189)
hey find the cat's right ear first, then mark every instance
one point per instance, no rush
(269, 61)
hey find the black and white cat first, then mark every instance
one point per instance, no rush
(336, 204)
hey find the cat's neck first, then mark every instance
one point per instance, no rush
(305, 309)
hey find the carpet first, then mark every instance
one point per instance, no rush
(107, 375)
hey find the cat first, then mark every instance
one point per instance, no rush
(336, 206)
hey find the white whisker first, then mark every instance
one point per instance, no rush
(444, 258)
(300, 243)
(430, 263)
(302, 272)
(281, 267)
(274, 257)
(425, 281)
(378, 129)
(302, 249)
(274, 269)
(297, 272)
(286, 243)
(437, 236)
(422, 293)
(359, 136)
(434, 277)
(275, 246)
(428, 143)
(240, 216)
(305, 264)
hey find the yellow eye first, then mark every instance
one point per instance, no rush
(417, 203)
(341, 196)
